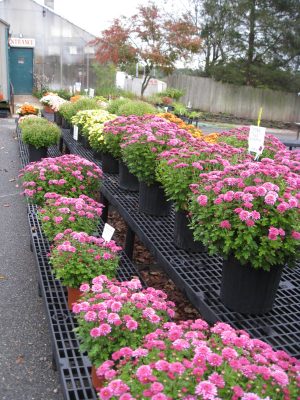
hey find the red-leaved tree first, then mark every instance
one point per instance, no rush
(150, 38)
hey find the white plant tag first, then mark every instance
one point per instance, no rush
(75, 132)
(256, 140)
(91, 92)
(108, 232)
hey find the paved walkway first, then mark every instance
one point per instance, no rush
(25, 348)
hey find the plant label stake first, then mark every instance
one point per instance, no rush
(75, 132)
(256, 138)
(108, 232)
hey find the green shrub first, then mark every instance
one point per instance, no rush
(68, 110)
(136, 108)
(40, 134)
(65, 111)
(114, 105)
(173, 93)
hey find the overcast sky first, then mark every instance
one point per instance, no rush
(96, 15)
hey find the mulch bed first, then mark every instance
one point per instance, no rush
(151, 272)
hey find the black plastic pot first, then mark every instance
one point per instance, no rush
(248, 290)
(183, 235)
(152, 200)
(110, 164)
(65, 124)
(57, 118)
(85, 142)
(97, 155)
(36, 154)
(127, 180)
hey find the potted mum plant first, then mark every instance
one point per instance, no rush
(81, 214)
(178, 169)
(26, 109)
(68, 175)
(140, 150)
(114, 132)
(249, 214)
(39, 134)
(189, 360)
(113, 314)
(52, 103)
(238, 137)
(77, 257)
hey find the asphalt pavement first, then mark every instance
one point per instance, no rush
(25, 348)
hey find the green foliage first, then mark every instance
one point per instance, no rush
(65, 111)
(75, 267)
(40, 133)
(114, 105)
(141, 162)
(63, 93)
(136, 108)
(68, 110)
(180, 109)
(172, 92)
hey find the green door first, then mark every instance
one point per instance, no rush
(21, 69)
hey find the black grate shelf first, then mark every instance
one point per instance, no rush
(198, 275)
(73, 366)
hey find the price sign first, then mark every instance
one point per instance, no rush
(256, 140)
(108, 232)
(75, 132)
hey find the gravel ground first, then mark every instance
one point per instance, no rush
(25, 347)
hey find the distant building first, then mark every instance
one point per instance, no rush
(45, 48)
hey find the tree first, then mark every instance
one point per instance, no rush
(149, 38)
(249, 42)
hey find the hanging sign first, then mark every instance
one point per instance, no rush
(21, 42)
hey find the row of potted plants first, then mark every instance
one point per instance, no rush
(153, 151)
(117, 321)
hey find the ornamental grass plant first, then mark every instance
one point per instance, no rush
(192, 361)
(81, 214)
(250, 211)
(77, 257)
(68, 175)
(115, 314)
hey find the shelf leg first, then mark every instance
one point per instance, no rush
(129, 242)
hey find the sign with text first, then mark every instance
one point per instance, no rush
(256, 139)
(21, 42)
(108, 232)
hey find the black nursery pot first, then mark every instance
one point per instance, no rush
(183, 235)
(152, 200)
(110, 164)
(57, 118)
(97, 155)
(36, 154)
(127, 180)
(85, 142)
(65, 124)
(248, 290)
